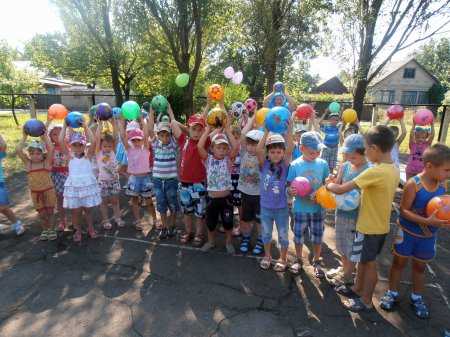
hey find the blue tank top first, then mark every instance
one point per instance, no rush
(419, 207)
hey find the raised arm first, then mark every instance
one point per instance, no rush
(207, 107)
(234, 145)
(62, 139)
(20, 149)
(50, 148)
(202, 141)
(3, 145)
(289, 142)
(144, 124)
(176, 130)
(90, 140)
(267, 99)
(261, 148)
(151, 123)
(431, 136)
(403, 132)
(246, 129)
(98, 136)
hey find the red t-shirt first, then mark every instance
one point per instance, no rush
(192, 168)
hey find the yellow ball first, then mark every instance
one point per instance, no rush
(349, 116)
(325, 198)
(261, 116)
(216, 117)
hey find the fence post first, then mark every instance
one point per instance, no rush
(13, 108)
(93, 99)
(443, 129)
(374, 119)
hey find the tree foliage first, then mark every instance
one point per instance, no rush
(435, 57)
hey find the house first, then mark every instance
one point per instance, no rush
(332, 86)
(405, 82)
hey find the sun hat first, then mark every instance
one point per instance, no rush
(312, 140)
(163, 126)
(255, 135)
(132, 125)
(274, 138)
(352, 143)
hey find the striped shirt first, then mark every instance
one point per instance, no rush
(165, 160)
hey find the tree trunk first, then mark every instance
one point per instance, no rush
(358, 96)
(188, 99)
(116, 84)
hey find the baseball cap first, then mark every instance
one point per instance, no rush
(196, 119)
(352, 143)
(163, 126)
(312, 140)
(274, 138)
(255, 135)
(135, 134)
(77, 137)
(34, 144)
(334, 115)
(220, 138)
(132, 125)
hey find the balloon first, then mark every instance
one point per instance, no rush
(442, 204)
(423, 117)
(334, 107)
(182, 80)
(304, 111)
(349, 116)
(395, 111)
(74, 119)
(348, 201)
(277, 119)
(237, 109)
(302, 186)
(250, 105)
(261, 116)
(34, 127)
(325, 198)
(237, 78)
(130, 110)
(228, 72)
(216, 117)
(57, 111)
(104, 111)
(215, 92)
(159, 104)
(93, 111)
(116, 112)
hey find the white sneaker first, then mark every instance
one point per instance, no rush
(19, 228)
(334, 272)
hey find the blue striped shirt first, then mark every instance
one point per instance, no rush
(165, 160)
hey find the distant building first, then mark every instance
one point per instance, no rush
(405, 82)
(332, 86)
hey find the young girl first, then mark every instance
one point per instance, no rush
(399, 137)
(355, 163)
(218, 170)
(81, 192)
(419, 139)
(273, 198)
(108, 176)
(235, 168)
(38, 166)
(59, 172)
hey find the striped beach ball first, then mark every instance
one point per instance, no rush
(348, 201)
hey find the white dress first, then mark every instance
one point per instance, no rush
(81, 188)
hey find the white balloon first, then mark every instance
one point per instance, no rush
(238, 77)
(228, 72)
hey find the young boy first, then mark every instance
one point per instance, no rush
(378, 185)
(416, 237)
(308, 214)
(399, 137)
(4, 198)
(331, 130)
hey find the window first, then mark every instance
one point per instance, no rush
(386, 96)
(409, 97)
(422, 97)
(409, 73)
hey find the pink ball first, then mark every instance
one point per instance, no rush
(423, 117)
(395, 111)
(302, 186)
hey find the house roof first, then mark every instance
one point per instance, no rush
(393, 66)
(333, 86)
(60, 82)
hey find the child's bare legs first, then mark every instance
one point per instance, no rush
(187, 219)
(172, 219)
(267, 250)
(245, 227)
(228, 237)
(61, 211)
(165, 220)
(317, 249)
(359, 281)
(6, 211)
(76, 224)
(395, 273)
(283, 255)
(418, 276)
(152, 211)
(45, 220)
(104, 210)
(199, 226)
(370, 281)
(299, 251)
(212, 236)
(90, 221)
(348, 267)
(135, 208)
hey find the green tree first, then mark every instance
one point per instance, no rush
(435, 57)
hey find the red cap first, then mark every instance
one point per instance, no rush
(196, 119)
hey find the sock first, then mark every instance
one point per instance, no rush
(415, 297)
(393, 293)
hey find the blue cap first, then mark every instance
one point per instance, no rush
(312, 140)
(352, 143)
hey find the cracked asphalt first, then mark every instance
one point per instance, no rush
(126, 284)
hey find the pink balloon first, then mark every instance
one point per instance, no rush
(395, 112)
(302, 186)
(228, 72)
(423, 117)
(238, 77)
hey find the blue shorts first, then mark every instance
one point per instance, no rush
(4, 195)
(166, 191)
(139, 186)
(281, 219)
(311, 221)
(193, 199)
(420, 248)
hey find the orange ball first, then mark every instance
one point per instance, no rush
(215, 92)
(57, 111)
(442, 205)
(325, 198)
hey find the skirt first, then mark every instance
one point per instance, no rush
(81, 192)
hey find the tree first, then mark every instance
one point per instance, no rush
(375, 30)
(435, 57)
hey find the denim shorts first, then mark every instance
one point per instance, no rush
(311, 221)
(281, 219)
(139, 186)
(166, 191)
(4, 195)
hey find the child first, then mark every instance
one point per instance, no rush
(108, 176)
(236, 197)
(137, 147)
(399, 137)
(308, 214)
(38, 167)
(331, 130)
(192, 177)
(417, 233)
(249, 187)
(419, 139)
(4, 199)
(59, 172)
(81, 192)
(218, 169)
(355, 163)
(378, 185)
(299, 129)
(273, 198)
(165, 174)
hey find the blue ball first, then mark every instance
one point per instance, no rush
(277, 119)
(74, 119)
(34, 127)
(116, 112)
(103, 112)
(348, 201)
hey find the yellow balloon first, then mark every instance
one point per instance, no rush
(261, 116)
(349, 116)
(216, 117)
(325, 198)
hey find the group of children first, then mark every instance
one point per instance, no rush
(207, 172)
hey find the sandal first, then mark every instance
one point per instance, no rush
(265, 263)
(259, 247)
(106, 225)
(77, 236)
(198, 240)
(245, 245)
(119, 222)
(51, 234)
(420, 308)
(388, 301)
(186, 237)
(44, 235)
(318, 271)
(280, 267)
(92, 233)
(158, 225)
(346, 291)
(138, 225)
(356, 305)
(296, 267)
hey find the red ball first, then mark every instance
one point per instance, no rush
(395, 111)
(423, 117)
(304, 111)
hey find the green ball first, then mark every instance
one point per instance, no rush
(334, 107)
(130, 110)
(93, 110)
(159, 104)
(182, 80)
